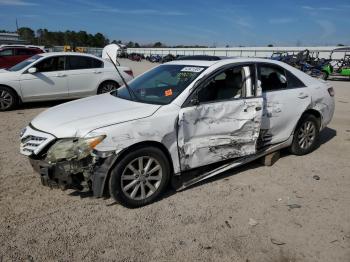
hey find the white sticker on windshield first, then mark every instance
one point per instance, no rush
(192, 69)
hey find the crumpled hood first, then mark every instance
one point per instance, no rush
(79, 117)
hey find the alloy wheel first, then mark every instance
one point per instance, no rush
(306, 135)
(107, 88)
(141, 178)
(6, 100)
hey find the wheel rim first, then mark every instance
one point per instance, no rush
(6, 99)
(306, 135)
(107, 88)
(141, 178)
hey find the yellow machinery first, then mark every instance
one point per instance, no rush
(68, 48)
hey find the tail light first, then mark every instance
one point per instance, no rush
(129, 72)
(331, 91)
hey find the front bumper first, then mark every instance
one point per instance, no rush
(87, 174)
(56, 176)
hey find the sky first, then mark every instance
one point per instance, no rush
(189, 22)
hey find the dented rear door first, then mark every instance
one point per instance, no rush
(217, 130)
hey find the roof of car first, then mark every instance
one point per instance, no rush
(21, 46)
(67, 53)
(228, 60)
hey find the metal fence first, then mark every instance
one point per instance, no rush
(323, 51)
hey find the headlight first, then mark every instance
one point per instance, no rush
(77, 148)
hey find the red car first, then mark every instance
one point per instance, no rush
(12, 54)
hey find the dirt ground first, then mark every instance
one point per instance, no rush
(256, 213)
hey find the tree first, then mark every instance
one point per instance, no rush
(136, 45)
(340, 45)
(26, 34)
(158, 44)
(130, 44)
(270, 45)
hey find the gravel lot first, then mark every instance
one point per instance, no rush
(242, 215)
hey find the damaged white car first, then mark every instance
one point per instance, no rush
(183, 122)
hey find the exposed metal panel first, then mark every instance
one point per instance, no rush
(214, 132)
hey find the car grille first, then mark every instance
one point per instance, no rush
(34, 141)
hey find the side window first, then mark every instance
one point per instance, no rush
(272, 77)
(226, 85)
(51, 64)
(81, 62)
(6, 52)
(22, 51)
(293, 81)
(97, 63)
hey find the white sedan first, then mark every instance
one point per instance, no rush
(183, 121)
(56, 76)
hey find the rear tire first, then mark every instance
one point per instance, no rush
(306, 136)
(107, 86)
(8, 99)
(140, 177)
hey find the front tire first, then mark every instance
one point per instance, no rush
(140, 177)
(8, 99)
(305, 136)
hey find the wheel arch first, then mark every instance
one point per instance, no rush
(313, 112)
(124, 152)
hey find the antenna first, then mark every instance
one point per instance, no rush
(16, 25)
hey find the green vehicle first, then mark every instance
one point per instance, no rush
(337, 67)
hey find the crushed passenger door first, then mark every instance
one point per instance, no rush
(218, 130)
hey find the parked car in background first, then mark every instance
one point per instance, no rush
(13, 54)
(55, 76)
(183, 121)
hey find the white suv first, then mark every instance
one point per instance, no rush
(56, 76)
(182, 121)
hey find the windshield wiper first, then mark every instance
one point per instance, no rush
(131, 92)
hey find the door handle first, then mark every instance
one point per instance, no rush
(97, 72)
(303, 96)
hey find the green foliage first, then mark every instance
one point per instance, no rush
(26, 34)
(158, 44)
(72, 38)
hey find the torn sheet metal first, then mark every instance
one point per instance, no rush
(218, 131)
(161, 129)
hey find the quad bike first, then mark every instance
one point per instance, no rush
(337, 67)
(310, 63)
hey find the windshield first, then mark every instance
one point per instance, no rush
(161, 85)
(24, 63)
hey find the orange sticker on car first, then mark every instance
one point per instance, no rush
(168, 92)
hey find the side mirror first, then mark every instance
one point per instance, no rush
(194, 101)
(32, 70)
